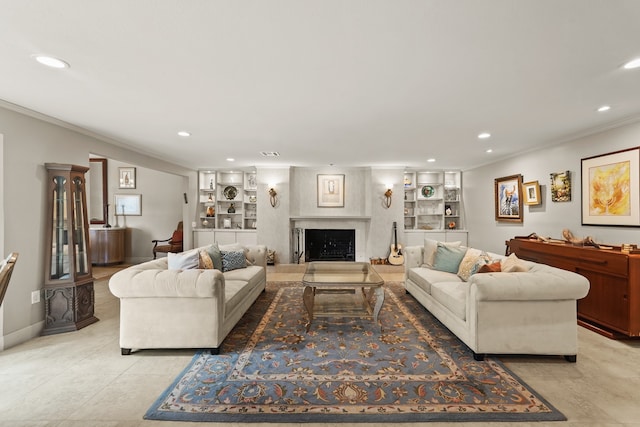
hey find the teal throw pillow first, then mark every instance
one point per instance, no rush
(233, 260)
(216, 257)
(448, 258)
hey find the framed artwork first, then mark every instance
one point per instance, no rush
(610, 189)
(127, 177)
(508, 201)
(330, 191)
(561, 186)
(128, 204)
(531, 193)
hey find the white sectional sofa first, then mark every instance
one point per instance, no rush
(529, 309)
(186, 306)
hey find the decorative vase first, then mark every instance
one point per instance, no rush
(232, 209)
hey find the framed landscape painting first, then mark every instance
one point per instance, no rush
(561, 186)
(610, 189)
(508, 200)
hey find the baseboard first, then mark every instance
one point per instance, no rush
(23, 335)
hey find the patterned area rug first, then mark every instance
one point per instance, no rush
(345, 370)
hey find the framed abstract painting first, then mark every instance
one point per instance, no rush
(610, 189)
(508, 198)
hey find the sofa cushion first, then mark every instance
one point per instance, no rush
(251, 274)
(232, 260)
(216, 257)
(448, 258)
(493, 267)
(430, 248)
(424, 277)
(182, 260)
(472, 261)
(513, 264)
(234, 292)
(205, 261)
(452, 295)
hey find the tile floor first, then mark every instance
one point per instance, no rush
(79, 379)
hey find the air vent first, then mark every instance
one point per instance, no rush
(270, 153)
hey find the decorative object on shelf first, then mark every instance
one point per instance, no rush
(211, 184)
(407, 181)
(252, 199)
(387, 197)
(69, 297)
(211, 211)
(231, 209)
(128, 204)
(610, 184)
(273, 196)
(451, 194)
(226, 223)
(230, 192)
(428, 191)
(205, 222)
(531, 193)
(251, 181)
(210, 199)
(330, 191)
(447, 210)
(406, 211)
(508, 201)
(452, 225)
(127, 177)
(561, 186)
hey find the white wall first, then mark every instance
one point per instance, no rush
(550, 218)
(29, 143)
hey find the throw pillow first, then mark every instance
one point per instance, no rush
(512, 264)
(468, 263)
(448, 258)
(480, 261)
(490, 268)
(216, 257)
(430, 247)
(182, 260)
(233, 260)
(205, 261)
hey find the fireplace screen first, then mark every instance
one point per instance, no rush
(330, 245)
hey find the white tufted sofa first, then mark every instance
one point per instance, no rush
(532, 312)
(194, 308)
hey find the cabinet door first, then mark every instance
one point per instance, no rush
(203, 238)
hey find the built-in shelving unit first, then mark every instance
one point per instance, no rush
(227, 200)
(432, 200)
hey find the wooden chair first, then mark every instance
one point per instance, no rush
(174, 243)
(6, 268)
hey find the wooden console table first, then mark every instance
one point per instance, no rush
(107, 245)
(612, 307)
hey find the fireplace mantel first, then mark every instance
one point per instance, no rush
(330, 218)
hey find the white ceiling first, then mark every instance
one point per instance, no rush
(350, 83)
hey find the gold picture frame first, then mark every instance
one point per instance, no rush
(508, 200)
(330, 191)
(531, 193)
(610, 186)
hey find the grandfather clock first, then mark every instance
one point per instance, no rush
(68, 282)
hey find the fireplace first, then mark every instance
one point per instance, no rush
(329, 245)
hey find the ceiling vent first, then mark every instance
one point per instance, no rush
(270, 154)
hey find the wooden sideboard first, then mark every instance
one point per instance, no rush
(612, 307)
(107, 245)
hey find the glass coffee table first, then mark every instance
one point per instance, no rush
(342, 289)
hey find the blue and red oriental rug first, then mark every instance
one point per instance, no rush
(345, 370)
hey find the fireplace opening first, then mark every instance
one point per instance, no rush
(329, 245)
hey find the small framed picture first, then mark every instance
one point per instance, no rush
(531, 193)
(128, 204)
(127, 177)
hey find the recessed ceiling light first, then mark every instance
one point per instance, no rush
(604, 108)
(50, 61)
(230, 159)
(484, 135)
(184, 133)
(489, 151)
(431, 160)
(632, 64)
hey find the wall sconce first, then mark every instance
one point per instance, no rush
(387, 197)
(273, 196)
